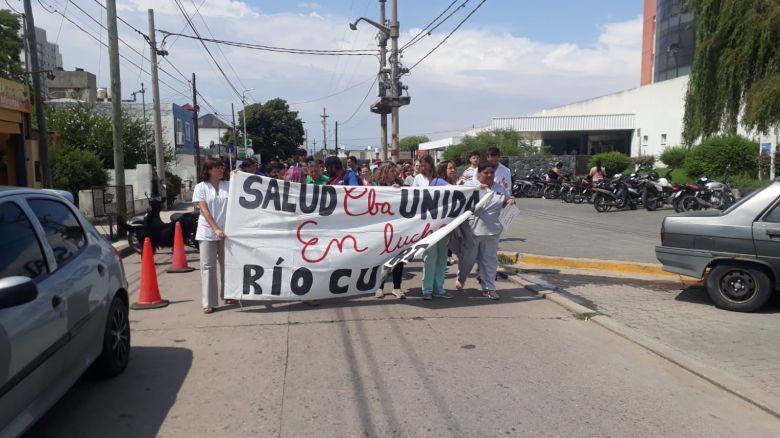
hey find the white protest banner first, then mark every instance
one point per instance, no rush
(289, 241)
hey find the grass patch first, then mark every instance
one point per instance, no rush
(586, 315)
(504, 259)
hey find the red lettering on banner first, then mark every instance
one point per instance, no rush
(403, 241)
(373, 208)
(307, 244)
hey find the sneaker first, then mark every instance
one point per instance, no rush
(450, 261)
(443, 295)
(427, 296)
(379, 293)
(459, 285)
(493, 295)
(399, 294)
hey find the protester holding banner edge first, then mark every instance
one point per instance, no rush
(486, 231)
(211, 196)
(386, 175)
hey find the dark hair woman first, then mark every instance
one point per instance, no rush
(387, 176)
(211, 196)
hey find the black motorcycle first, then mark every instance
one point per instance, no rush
(617, 193)
(161, 233)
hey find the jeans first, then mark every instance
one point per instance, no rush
(212, 256)
(398, 275)
(434, 268)
(483, 251)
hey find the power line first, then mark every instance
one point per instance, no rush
(357, 52)
(448, 35)
(362, 102)
(351, 87)
(415, 38)
(195, 30)
(121, 19)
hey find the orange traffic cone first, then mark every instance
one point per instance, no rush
(149, 295)
(179, 255)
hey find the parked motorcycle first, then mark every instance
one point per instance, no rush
(161, 233)
(656, 191)
(710, 194)
(615, 193)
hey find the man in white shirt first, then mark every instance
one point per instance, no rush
(503, 174)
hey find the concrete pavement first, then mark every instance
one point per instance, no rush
(554, 228)
(368, 367)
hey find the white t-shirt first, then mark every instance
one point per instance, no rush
(420, 181)
(216, 200)
(469, 174)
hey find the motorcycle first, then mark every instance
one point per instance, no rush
(656, 191)
(680, 193)
(161, 233)
(710, 194)
(615, 193)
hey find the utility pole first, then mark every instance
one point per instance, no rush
(116, 112)
(324, 129)
(383, 80)
(314, 146)
(306, 141)
(337, 136)
(158, 142)
(235, 139)
(142, 92)
(40, 116)
(394, 76)
(195, 137)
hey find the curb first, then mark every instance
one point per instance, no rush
(724, 381)
(650, 271)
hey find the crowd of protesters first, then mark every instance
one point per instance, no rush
(474, 242)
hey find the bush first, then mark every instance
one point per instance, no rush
(675, 156)
(76, 169)
(172, 188)
(644, 161)
(613, 162)
(732, 154)
(746, 182)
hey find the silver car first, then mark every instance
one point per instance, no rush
(738, 249)
(63, 304)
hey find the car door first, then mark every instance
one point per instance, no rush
(766, 235)
(31, 334)
(83, 281)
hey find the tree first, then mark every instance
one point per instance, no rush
(11, 46)
(80, 126)
(736, 66)
(510, 143)
(412, 141)
(75, 169)
(275, 131)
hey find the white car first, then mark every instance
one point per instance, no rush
(63, 304)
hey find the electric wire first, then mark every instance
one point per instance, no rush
(362, 102)
(351, 87)
(448, 35)
(355, 52)
(415, 38)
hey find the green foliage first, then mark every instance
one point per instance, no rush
(275, 130)
(675, 156)
(80, 126)
(412, 141)
(644, 161)
(172, 188)
(75, 169)
(679, 176)
(11, 46)
(746, 182)
(511, 143)
(717, 156)
(613, 162)
(736, 64)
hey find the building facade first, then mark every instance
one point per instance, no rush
(17, 161)
(668, 40)
(78, 84)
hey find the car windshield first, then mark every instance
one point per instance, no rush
(743, 200)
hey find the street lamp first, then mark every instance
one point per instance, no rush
(243, 101)
(382, 28)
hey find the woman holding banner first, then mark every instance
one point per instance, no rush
(387, 176)
(435, 257)
(211, 195)
(486, 229)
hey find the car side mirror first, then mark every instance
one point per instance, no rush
(15, 291)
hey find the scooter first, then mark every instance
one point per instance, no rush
(161, 233)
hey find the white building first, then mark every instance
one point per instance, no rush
(211, 129)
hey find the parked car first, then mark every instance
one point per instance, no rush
(63, 304)
(737, 250)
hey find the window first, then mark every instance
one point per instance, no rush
(22, 253)
(63, 231)
(663, 140)
(187, 131)
(774, 215)
(178, 126)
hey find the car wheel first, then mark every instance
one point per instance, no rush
(116, 340)
(135, 242)
(739, 288)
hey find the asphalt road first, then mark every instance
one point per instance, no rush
(365, 367)
(554, 228)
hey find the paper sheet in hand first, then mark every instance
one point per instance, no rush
(508, 215)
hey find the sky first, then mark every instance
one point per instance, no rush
(510, 58)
